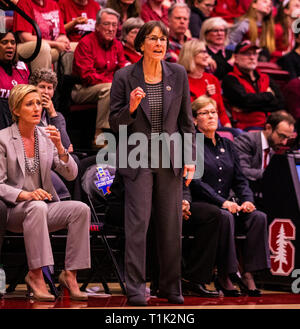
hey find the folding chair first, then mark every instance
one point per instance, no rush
(96, 181)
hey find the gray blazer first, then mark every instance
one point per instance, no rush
(177, 113)
(249, 148)
(12, 164)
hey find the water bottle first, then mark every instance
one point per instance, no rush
(2, 281)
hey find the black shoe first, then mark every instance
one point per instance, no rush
(173, 299)
(226, 292)
(244, 289)
(137, 300)
(198, 289)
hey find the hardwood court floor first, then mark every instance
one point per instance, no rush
(268, 300)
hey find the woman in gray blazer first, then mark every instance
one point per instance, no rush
(152, 97)
(27, 155)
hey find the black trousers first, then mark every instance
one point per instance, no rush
(199, 252)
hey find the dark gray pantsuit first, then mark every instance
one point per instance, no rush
(167, 214)
(255, 249)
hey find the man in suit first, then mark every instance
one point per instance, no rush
(256, 148)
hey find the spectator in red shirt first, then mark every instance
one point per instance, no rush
(49, 19)
(194, 57)
(229, 10)
(129, 31)
(288, 12)
(79, 17)
(96, 58)
(179, 17)
(153, 10)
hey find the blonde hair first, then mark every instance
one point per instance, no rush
(188, 52)
(17, 94)
(210, 24)
(267, 37)
(201, 102)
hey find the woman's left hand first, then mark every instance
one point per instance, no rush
(188, 170)
(247, 206)
(54, 135)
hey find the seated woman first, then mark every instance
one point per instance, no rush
(222, 173)
(129, 31)
(257, 25)
(27, 153)
(12, 72)
(194, 58)
(46, 81)
(49, 19)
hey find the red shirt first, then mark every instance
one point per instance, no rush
(198, 87)
(71, 10)
(47, 17)
(20, 75)
(148, 14)
(95, 64)
(281, 49)
(229, 10)
(131, 55)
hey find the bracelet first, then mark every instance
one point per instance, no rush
(63, 154)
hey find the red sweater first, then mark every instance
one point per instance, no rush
(71, 10)
(198, 87)
(131, 55)
(148, 14)
(48, 18)
(95, 64)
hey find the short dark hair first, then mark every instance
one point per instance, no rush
(276, 117)
(145, 30)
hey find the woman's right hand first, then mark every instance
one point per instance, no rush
(36, 195)
(136, 96)
(232, 207)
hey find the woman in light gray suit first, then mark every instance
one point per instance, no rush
(27, 155)
(152, 97)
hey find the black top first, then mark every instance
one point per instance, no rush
(291, 63)
(222, 65)
(222, 172)
(196, 20)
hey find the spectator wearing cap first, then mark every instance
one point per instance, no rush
(250, 94)
(179, 17)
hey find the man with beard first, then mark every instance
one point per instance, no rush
(256, 148)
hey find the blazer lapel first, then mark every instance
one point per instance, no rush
(137, 80)
(168, 89)
(259, 147)
(18, 145)
(43, 156)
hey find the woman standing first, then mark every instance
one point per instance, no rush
(27, 154)
(152, 97)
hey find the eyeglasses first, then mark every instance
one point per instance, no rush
(217, 30)
(202, 52)
(206, 113)
(282, 136)
(154, 39)
(107, 24)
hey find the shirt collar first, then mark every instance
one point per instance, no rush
(264, 142)
(216, 49)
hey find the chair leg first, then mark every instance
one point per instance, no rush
(49, 280)
(116, 266)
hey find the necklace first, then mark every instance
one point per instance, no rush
(36, 162)
(150, 79)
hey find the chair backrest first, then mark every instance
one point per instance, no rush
(226, 134)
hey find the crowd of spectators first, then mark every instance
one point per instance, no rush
(221, 45)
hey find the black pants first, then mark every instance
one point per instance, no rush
(199, 252)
